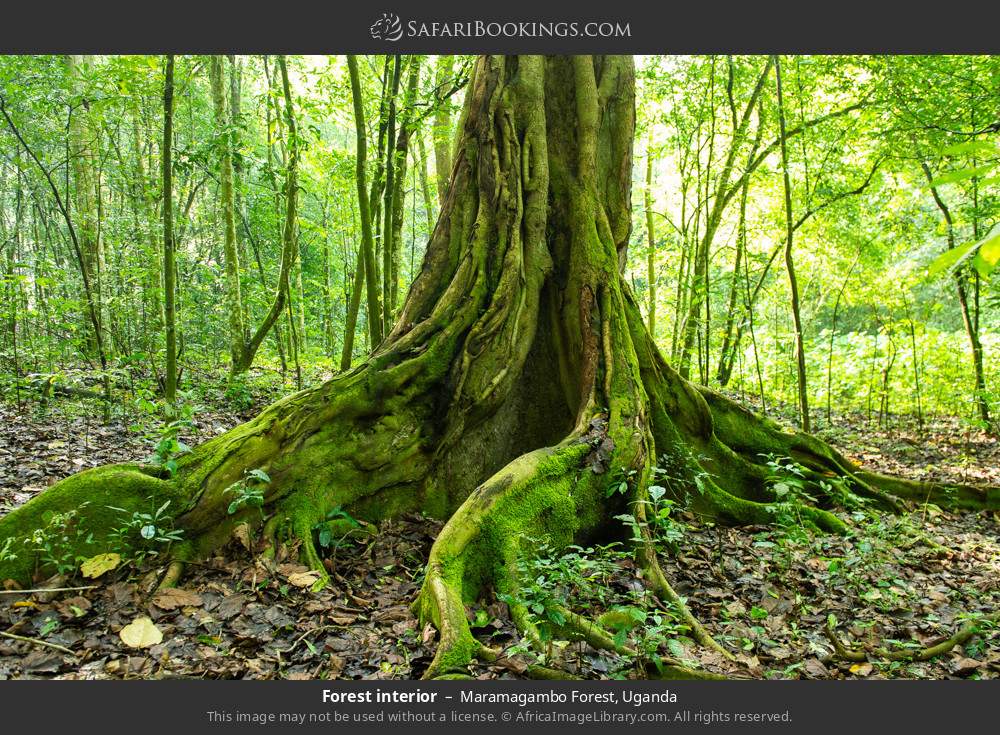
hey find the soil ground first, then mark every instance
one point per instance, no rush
(764, 592)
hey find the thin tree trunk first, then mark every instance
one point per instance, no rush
(650, 239)
(833, 332)
(390, 204)
(234, 297)
(729, 345)
(442, 127)
(169, 265)
(800, 355)
(968, 320)
(288, 238)
(82, 144)
(366, 249)
(391, 299)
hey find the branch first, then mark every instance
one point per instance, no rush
(95, 322)
(791, 132)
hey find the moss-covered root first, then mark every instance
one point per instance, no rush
(718, 502)
(106, 493)
(657, 582)
(965, 497)
(579, 627)
(532, 496)
(967, 631)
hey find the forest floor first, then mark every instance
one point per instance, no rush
(764, 592)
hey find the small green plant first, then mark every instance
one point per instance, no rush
(786, 479)
(327, 531)
(6, 553)
(248, 491)
(168, 447)
(664, 528)
(549, 582)
(141, 535)
(238, 394)
(57, 542)
(618, 481)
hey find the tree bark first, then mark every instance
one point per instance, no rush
(288, 238)
(365, 268)
(83, 155)
(650, 241)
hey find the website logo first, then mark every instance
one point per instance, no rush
(387, 28)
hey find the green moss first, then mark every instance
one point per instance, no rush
(129, 487)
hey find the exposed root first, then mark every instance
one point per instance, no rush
(966, 632)
(532, 494)
(175, 570)
(442, 604)
(965, 497)
(659, 585)
(656, 580)
(595, 634)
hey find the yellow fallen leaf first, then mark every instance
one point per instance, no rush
(95, 566)
(140, 633)
(303, 579)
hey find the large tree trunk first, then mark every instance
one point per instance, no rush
(518, 381)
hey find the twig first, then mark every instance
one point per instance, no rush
(53, 589)
(36, 640)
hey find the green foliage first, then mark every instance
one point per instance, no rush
(786, 479)
(549, 582)
(56, 543)
(618, 481)
(665, 530)
(168, 446)
(140, 535)
(326, 531)
(248, 491)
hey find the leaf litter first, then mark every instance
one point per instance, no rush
(765, 596)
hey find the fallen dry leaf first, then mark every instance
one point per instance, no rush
(303, 579)
(140, 633)
(171, 599)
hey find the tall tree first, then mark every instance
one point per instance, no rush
(365, 269)
(650, 239)
(289, 242)
(234, 297)
(443, 71)
(793, 284)
(169, 264)
(390, 204)
(82, 149)
(407, 125)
